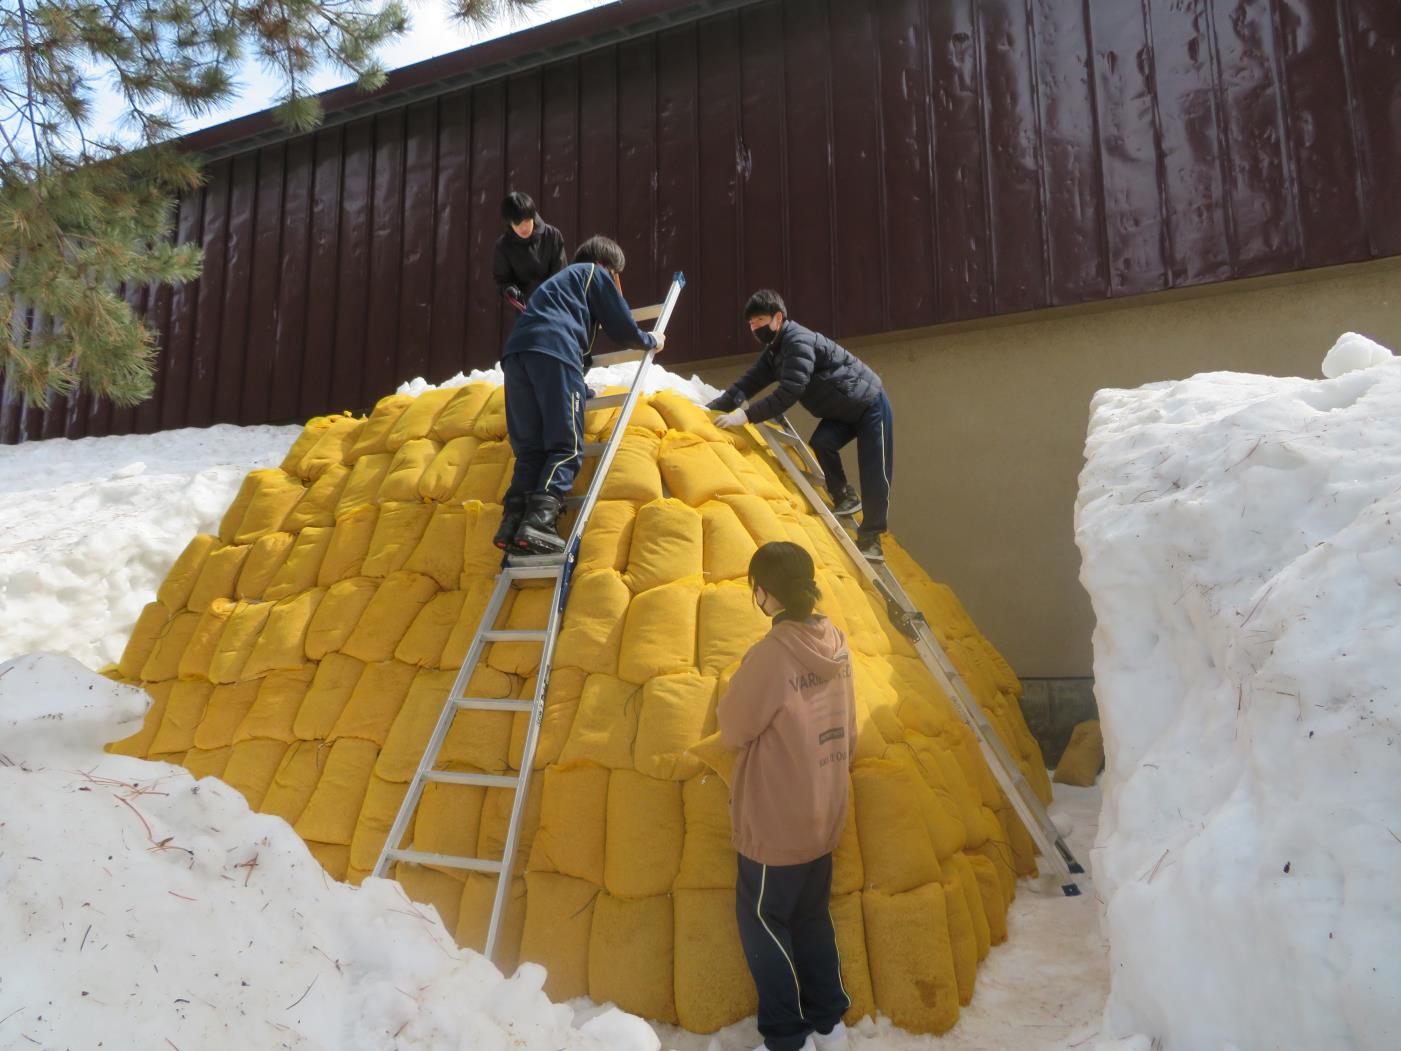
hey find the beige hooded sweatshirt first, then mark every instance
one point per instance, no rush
(791, 709)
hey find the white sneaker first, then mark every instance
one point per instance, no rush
(836, 1040)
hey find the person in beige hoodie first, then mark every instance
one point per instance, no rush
(791, 711)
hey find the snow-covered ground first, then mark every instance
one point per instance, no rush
(1242, 545)
(87, 531)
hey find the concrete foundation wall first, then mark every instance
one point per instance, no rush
(990, 428)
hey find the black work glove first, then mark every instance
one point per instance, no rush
(718, 405)
(512, 292)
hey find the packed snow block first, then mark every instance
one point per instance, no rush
(164, 660)
(405, 470)
(490, 425)
(398, 530)
(415, 423)
(427, 637)
(276, 494)
(378, 693)
(659, 635)
(441, 890)
(330, 449)
(333, 857)
(265, 558)
(252, 767)
(350, 543)
(605, 725)
(413, 725)
(311, 434)
(896, 852)
(677, 710)
(728, 545)
(486, 475)
(646, 827)
(330, 691)
(138, 745)
(968, 884)
(680, 413)
(708, 860)
(274, 710)
(281, 645)
(911, 958)
(850, 923)
(373, 436)
(438, 553)
(474, 918)
(201, 762)
(150, 625)
(634, 475)
(667, 544)
(459, 415)
(573, 822)
(218, 576)
(334, 807)
(397, 601)
(237, 640)
(303, 563)
(224, 712)
(558, 923)
(713, 986)
(631, 954)
(174, 592)
(338, 614)
(730, 623)
(1083, 757)
(693, 471)
(377, 813)
(608, 540)
(442, 477)
(591, 631)
(530, 611)
(561, 706)
(362, 487)
(295, 780)
(448, 821)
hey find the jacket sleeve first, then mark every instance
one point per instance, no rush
(754, 698)
(501, 269)
(611, 310)
(557, 262)
(756, 378)
(795, 372)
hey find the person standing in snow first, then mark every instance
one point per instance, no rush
(530, 251)
(839, 389)
(791, 710)
(544, 362)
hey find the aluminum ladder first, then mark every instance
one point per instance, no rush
(780, 437)
(514, 570)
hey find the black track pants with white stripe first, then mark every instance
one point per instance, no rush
(875, 458)
(545, 422)
(791, 947)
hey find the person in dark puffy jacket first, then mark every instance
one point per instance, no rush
(529, 252)
(839, 389)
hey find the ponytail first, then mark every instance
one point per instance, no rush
(786, 572)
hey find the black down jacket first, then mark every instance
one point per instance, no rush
(827, 379)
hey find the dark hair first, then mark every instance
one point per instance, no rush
(601, 250)
(764, 301)
(518, 207)
(786, 572)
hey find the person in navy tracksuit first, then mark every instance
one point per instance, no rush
(544, 363)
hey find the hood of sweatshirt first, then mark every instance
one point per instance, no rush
(816, 644)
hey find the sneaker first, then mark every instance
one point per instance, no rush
(836, 1040)
(846, 503)
(869, 546)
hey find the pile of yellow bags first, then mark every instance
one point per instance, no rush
(303, 654)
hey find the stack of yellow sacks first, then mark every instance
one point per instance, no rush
(303, 655)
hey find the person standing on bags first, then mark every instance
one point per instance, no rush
(544, 364)
(835, 386)
(791, 710)
(529, 253)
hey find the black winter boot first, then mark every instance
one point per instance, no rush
(846, 503)
(537, 534)
(869, 546)
(511, 516)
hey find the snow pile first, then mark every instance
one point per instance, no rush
(88, 528)
(103, 855)
(657, 379)
(1353, 352)
(1242, 545)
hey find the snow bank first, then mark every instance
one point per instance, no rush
(1241, 541)
(103, 854)
(657, 379)
(89, 528)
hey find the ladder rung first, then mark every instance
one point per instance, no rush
(514, 635)
(594, 448)
(493, 704)
(604, 401)
(647, 313)
(617, 357)
(575, 501)
(454, 777)
(533, 567)
(447, 861)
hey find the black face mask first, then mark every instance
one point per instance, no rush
(765, 335)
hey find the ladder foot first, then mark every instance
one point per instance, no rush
(1070, 890)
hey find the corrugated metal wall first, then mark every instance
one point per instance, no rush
(887, 164)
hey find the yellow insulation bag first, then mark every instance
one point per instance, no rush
(433, 887)
(295, 780)
(667, 544)
(424, 642)
(416, 422)
(448, 821)
(406, 470)
(646, 826)
(330, 448)
(573, 822)
(591, 631)
(164, 660)
(530, 611)
(413, 725)
(442, 477)
(218, 577)
(303, 563)
(330, 690)
(490, 425)
(251, 768)
(692, 470)
(558, 923)
(896, 851)
(460, 414)
(398, 530)
(265, 558)
(276, 494)
(677, 711)
(233, 517)
(274, 710)
(373, 436)
(179, 583)
(680, 413)
(225, 711)
(311, 434)
(138, 744)
(713, 986)
(728, 545)
(144, 636)
(630, 956)
(486, 475)
(634, 475)
(362, 487)
(336, 617)
(707, 854)
(317, 507)
(911, 958)
(605, 726)
(377, 814)
(850, 923)
(331, 812)
(438, 553)
(180, 718)
(199, 652)
(236, 642)
(475, 915)
(608, 540)
(396, 603)
(659, 635)
(282, 643)
(350, 543)
(561, 706)
(374, 702)
(730, 623)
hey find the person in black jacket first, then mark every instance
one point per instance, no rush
(528, 253)
(543, 363)
(835, 386)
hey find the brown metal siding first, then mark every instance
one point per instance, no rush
(887, 164)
